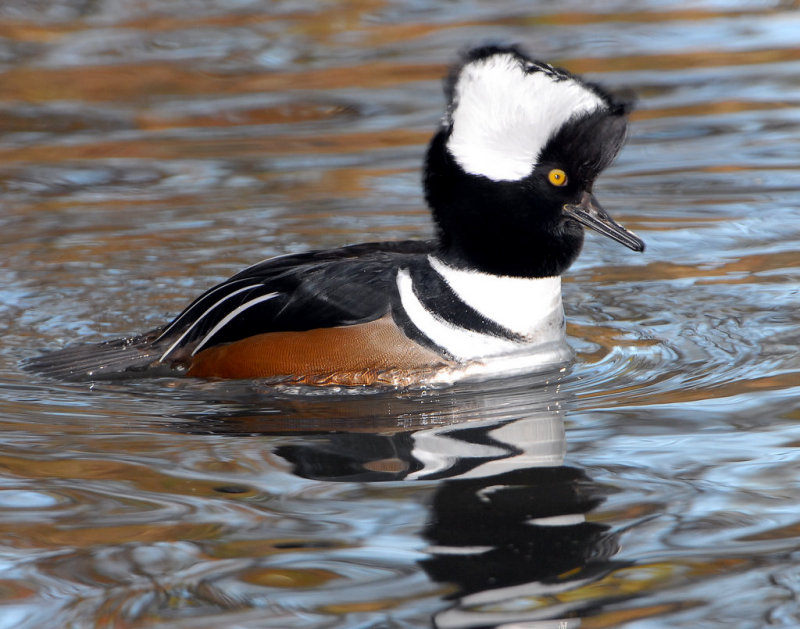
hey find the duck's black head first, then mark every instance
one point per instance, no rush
(509, 175)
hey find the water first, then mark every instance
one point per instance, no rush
(150, 149)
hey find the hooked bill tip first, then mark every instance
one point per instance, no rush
(590, 214)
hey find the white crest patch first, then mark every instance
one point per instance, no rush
(504, 116)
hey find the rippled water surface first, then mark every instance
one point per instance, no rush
(150, 149)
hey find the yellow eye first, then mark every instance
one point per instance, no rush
(557, 177)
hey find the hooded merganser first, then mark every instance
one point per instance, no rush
(508, 177)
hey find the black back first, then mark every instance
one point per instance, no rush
(324, 288)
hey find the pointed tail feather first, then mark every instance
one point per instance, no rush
(99, 361)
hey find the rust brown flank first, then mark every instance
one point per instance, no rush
(366, 353)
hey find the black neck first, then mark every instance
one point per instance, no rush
(502, 228)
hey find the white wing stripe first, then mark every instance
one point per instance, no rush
(201, 298)
(201, 317)
(231, 315)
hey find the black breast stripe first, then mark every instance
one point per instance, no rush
(438, 297)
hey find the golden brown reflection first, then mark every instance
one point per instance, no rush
(684, 60)
(294, 112)
(618, 617)
(285, 578)
(157, 148)
(60, 536)
(643, 578)
(718, 108)
(782, 532)
(748, 265)
(692, 392)
(361, 607)
(265, 547)
(135, 83)
(353, 16)
(145, 478)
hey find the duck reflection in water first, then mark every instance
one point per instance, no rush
(507, 528)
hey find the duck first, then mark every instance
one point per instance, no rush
(508, 178)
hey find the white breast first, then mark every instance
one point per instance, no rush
(529, 307)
